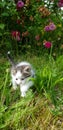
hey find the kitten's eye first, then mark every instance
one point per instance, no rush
(22, 78)
(16, 78)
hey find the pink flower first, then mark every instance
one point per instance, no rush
(37, 37)
(50, 27)
(16, 35)
(47, 44)
(60, 3)
(20, 4)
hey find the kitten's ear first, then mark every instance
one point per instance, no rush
(14, 71)
(27, 69)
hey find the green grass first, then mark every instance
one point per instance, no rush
(39, 110)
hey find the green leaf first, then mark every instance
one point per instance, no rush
(2, 3)
(5, 14)
(0, 34)
(2, 26)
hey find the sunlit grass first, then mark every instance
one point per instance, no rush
(42, 108)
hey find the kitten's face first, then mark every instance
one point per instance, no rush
(21, 73)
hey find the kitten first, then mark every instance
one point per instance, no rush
(21, 74)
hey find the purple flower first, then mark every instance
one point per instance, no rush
(52, 26)
(20, 4)
(47, 29)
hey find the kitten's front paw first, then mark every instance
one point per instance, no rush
(23, 94)
(14, 87)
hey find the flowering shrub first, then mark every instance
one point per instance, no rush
(30, 23)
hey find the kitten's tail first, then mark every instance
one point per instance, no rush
(10, 58)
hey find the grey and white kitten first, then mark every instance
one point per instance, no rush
(21, 74)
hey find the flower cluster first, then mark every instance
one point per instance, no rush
(60, 3)
(50, 27)
(47, 44)
(44, 11)
(16, 35)
(19, 4)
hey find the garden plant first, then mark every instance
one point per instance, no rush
(32, 30)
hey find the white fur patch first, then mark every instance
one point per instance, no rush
(24, 88)
(17, 77)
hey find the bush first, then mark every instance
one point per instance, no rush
(33, 23)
